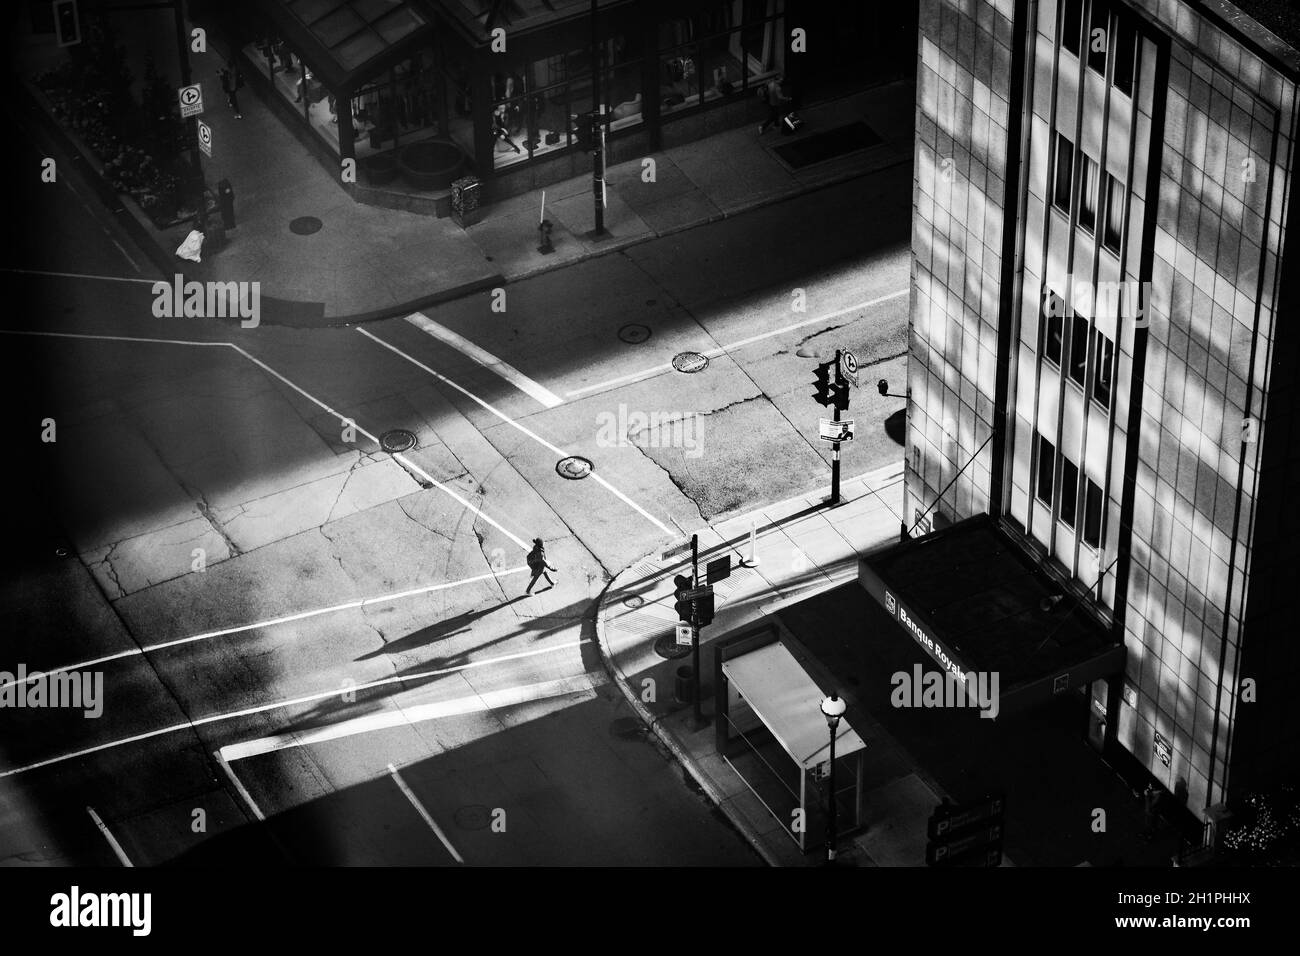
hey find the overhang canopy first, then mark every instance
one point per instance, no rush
(788, 702)
(346, 42)
(477, 18)
(975, 601)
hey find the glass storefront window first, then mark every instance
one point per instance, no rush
(761, 38)
(679, 79)
(676, 32)
(621, 92)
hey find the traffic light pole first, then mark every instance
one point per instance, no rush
(597, 130)
(192, 124)
(695, 632)
(835, 446)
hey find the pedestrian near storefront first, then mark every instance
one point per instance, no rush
(538, 564)
(231, 83)
(775, 97)
(1151, 809)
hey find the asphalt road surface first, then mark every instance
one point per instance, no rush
(314, 650)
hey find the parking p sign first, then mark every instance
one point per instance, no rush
(191, 98)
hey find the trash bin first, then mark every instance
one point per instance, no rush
(685, 685)
(226, 200)
(464, 200)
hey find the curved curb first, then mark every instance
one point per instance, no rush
(680, 754)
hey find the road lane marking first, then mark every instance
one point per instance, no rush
(269, 622)
(558, 452)
(478, 512)
(724, 349)
(485, 358)
(419, 808)
(401, 458)
(277, 705)
(108, 835)
(410, 716)
(239, 786)
(112, 338)
(79, 275)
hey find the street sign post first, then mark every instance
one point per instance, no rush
(835, 431)
(191, 98)
(205, 137)
(849, 366)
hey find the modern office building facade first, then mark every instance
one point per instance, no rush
(1099, 358)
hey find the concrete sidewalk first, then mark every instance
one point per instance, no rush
(807, 551)
(367, 262)
(804, 548)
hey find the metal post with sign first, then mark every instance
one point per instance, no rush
(191, 96)
(205, 137)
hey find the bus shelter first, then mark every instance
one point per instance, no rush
(771, 731)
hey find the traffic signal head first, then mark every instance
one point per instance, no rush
(583, 131)
(822, 383)
(681, 584)
(840, 395)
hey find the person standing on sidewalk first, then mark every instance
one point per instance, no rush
(231, 82)
(776, 102)
(538, 564)
(1151, 810)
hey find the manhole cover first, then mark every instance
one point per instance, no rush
(305, 225)
(690, 362)
(61, 552)
(668, 648)
(634, 334)
(627, 728)
(574, 467)
(633, 601)
(474, 817)
(397, 439)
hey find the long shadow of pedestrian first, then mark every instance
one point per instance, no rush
(436, 632)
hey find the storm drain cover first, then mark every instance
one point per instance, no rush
(666, 646)
(473, 817)
(690, 362)
(634, 334)
(574, 467)
(397, 439)
(305, 225)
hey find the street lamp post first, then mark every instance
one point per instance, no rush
(833, 708)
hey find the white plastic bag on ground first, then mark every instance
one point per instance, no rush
(191, 247)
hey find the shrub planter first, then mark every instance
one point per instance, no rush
(380, 169)
(431, 164)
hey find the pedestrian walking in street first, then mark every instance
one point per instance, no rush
(538, 564)
(776, 99)
(231, 83)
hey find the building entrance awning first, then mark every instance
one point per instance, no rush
(347, 42)
(788, 702)
(974, 600)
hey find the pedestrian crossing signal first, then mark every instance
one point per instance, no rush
(583, 133)
(681, 584)
(67, 22)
